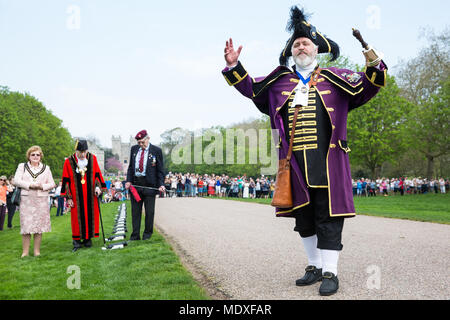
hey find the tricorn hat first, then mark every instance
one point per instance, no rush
(81, 145)
(300, 27)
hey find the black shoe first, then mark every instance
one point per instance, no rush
(311, 276)
(330, 284)
(87, 243)
(76, 245)
(146, 237)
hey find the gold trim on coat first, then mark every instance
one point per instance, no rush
(305, 147)
(292, 209)
(372, 80)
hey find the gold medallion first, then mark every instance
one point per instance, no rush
(83, 173)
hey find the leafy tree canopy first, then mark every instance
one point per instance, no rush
(25, 122)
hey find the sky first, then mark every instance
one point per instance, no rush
(116, 67)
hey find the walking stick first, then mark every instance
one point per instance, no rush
(101, 220)
(151, 188)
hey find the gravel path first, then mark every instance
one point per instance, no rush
(245, 252)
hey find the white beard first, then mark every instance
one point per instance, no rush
(304, 62)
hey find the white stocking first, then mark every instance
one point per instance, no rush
(329, 260)
(313, 254)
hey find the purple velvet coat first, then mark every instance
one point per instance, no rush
(340, 90)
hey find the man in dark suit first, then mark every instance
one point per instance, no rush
(146, 174)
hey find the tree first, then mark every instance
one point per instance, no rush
(424, 81)
(234, 150)
(422, 76)
(113, 165)
(376, 130)
(428, 126)
(342, 62)
(9, 135)
(170, 139)
(24, 122)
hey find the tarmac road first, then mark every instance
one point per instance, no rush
(240, 250)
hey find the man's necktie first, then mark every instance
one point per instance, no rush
(141, 161)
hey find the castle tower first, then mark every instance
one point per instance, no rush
(116, 145)
(122, 150)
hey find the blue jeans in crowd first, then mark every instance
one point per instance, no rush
(187, 190)
(60, 210)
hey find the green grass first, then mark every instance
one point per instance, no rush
(429, 207)
(143, 270)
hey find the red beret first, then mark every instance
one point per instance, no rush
(141, 135)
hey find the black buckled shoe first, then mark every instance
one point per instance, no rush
(330, 284)
(311, 276)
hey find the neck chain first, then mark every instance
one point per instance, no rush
(34, 175)
(81, 171)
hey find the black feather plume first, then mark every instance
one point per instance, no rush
(297, 16)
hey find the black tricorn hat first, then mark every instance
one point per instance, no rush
(81, 145)
(302, 28)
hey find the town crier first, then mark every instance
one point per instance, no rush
(82, 184)
(320, 171)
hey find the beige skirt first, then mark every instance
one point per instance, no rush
(34, 214)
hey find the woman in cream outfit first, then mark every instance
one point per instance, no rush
(35, 179)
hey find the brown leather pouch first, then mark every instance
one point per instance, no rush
(282, 196)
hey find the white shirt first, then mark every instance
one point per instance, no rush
(302, 90)
(306, 72)
(138, 157)
(58, 191)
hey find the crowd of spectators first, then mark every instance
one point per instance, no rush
(116, 190)
(399, 186)
(197, 185)
(7, 208)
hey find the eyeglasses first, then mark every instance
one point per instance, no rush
(35, 155)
